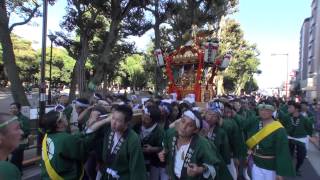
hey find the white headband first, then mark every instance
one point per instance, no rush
(191, 115)
(145, 110)
(80, 104)
(95, 96)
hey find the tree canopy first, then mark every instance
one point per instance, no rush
(26, 58)
(96, 32)
(245, 60)
(28, 62)
(62, 66)
(132, 72)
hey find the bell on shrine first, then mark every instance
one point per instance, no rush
(226, 60)
(210, 51)
(159, 57)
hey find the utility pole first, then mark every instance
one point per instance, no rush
(42, 85)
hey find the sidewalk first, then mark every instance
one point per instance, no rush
(315, 141)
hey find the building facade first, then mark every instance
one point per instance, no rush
(303, 53)
(309, 63)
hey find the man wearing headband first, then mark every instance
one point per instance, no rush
(10, 136)
(217, 136)
(268, 145)
(188, 155)
(17, 154)
(63, 154)
(216, 133)
(165, 109)
(151, 136)
(83, 110)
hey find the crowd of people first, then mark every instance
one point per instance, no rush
(160, 138)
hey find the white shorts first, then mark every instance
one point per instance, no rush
(262, 174)
(232, 169)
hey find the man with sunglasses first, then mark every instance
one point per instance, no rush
(268, 145)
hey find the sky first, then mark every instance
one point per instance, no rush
(273, 25)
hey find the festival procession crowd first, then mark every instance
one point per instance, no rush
(160, 138)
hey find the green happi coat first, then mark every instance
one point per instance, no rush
(310, 116)
(235, 137)
(25, 127)
(126, 160)
(296, 128)
(275, 144)
(300, 127)
(68, 113)
(9, 171)
(250, 116)
(220, 143)
(155, 139)
(283, 107)
(239, 118)
(83, 125)
(67, 153)
(200, 152)
(284, 118)
(220, 140)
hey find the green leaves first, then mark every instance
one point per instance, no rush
(132, 72)
(244, 63)
(26, 58)
(62, 65)
(183, 14)
(28, 61)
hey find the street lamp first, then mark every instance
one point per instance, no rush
(52, 38)
(284, 54)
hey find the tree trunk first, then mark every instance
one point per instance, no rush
(105, 85)
(158, 76)
(156, 42)
(105, 57)
(17, 89)
(73, 84)
(81, 79)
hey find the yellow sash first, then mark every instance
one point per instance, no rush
(51, 172)
(263, 133)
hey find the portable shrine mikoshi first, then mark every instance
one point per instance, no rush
(191, 68)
